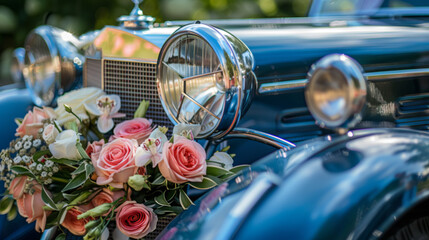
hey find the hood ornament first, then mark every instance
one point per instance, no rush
(136, 19)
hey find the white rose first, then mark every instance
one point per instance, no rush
(221, 159)
(65, 146)
(50, 133)
(76, 100)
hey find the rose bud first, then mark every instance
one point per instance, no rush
(97, 211)
(50, 133)
(137, 182)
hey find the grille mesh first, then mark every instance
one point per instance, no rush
(133, 82)
(92, 73)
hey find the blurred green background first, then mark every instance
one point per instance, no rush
(18, 17)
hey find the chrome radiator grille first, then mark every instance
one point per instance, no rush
(135, 81)
(92, 73)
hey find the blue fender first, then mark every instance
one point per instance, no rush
(14, 103)
(352, 187)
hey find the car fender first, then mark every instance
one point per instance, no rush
(14, 103)
(353, 189)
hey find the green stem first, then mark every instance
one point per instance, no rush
(60, 180)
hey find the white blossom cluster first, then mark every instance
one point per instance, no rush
(20, 152)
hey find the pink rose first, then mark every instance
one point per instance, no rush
(17, 186)
(74, 225)
(33, 121)
(115, 163)
(135, 220)
(31, 206)
(137, 128)
(182, 161)
(106, 196)
(94, 148)
(50, 133)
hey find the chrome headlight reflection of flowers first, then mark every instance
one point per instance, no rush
(52, 63)
(205, 77)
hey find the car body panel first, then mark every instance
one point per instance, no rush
(364, 181)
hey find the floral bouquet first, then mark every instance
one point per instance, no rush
(67, 168)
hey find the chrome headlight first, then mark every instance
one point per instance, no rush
(17, 65)
(52, 63)
(336, 91)
(205, 77)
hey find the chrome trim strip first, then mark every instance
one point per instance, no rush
(286, 86)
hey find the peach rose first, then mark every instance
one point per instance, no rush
(50, 133)
(31, 206)
(137, 128)
(135, 220)
(94, 148)
(115, 163)
(182, 161)
(106, 196)
(17, 186)
(33, 121)
(74, 225)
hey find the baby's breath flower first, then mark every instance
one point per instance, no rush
(22, 152)
(44, 174)
(33, 165)
(44, 148)
(18, 145)
(37, 143)
(26, 158)
(55, 169)
(17, 160)
(49, 163)
(27, 145)
(39, 167)
(33, 150)
(50, 174)
(26, 137)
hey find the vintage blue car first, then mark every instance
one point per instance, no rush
(336, 104)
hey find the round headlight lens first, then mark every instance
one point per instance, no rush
(17, 65)
(203, 77)
(42, 68)
(52, 63)
(336, 92)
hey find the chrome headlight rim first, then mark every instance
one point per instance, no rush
(238, 77)
(17, 65)
(46, 33)
(356, 82)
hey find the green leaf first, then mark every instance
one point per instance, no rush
(184, 200)
(62, 214)
(64, 161)
(168, 210)
(80, 169)
(207, 183)
(239, 168)
(78, 181)
(39, 154)
(142, 109)
(216, 171)
(21, 170)
(12, 213)
(62, 236)
(6, 204)
(169, 195)
(18, 121)
(48, 200)
(161, 200)
(70, 196)
(159, 180)
(215, 179)
(89, 169)
(82, 151)
(226, 176)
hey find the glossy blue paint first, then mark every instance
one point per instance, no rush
(353, 187)
(14, 103)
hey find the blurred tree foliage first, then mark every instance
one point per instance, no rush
(18, 17)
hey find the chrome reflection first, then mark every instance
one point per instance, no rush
(52, 63)
(205, 77)
(17, 65)
(336, 92)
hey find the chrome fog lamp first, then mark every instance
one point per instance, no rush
(336, 91)
(205, 77)
(52, 63)
(17, 65)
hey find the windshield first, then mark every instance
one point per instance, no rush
(366, 7)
